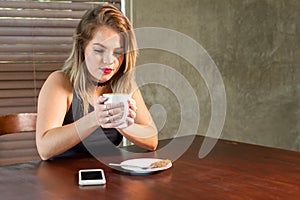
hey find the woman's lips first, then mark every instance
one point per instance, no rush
(106, 70)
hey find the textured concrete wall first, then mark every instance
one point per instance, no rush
(254, 43)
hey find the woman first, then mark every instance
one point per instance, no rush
(71, 106)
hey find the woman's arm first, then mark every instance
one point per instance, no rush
(54, 101)
(143, 132)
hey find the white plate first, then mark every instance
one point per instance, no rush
(143, 162)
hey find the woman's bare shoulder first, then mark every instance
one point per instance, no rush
(59, 79)
(59, 76)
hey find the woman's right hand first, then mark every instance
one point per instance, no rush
(106, 114)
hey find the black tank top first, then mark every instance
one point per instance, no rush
(97, 138)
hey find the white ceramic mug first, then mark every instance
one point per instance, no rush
(119, 98)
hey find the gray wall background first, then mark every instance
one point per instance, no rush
(254, 43)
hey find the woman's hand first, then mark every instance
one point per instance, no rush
(132, 112)
(107, 114)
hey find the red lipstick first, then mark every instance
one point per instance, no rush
(107, 70)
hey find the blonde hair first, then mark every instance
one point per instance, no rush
(75, 68)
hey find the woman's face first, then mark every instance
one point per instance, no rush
(104, 54)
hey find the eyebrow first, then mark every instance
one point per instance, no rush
(101, 45)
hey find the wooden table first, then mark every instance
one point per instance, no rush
(231, 171)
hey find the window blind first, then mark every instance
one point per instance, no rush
(36, 39)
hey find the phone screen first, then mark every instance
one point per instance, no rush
(92, 175)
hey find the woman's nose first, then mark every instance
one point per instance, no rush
(108, 58)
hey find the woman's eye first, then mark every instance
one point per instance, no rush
(118, 53)
(99, 50)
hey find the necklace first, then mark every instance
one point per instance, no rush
(99, 84)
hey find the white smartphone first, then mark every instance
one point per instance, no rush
(91, 177)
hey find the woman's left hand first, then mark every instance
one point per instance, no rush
(132, 112)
